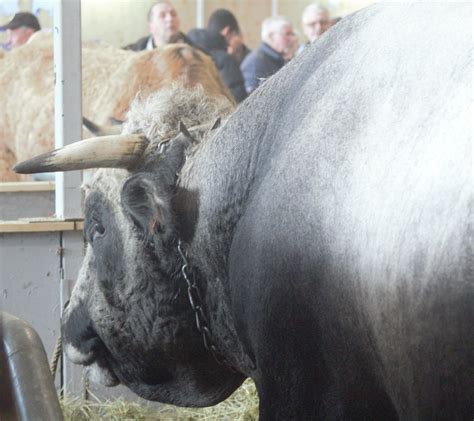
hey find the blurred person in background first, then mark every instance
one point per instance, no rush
(163, 25)
(237, 48)
(278, 39)
(222, 27)
(316, 21)
(293, 47)
(20, 29)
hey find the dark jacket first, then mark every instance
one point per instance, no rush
(261, 63)
(243, 53)
(216, 46)
(140, 45)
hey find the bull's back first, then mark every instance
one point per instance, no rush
(360, 209)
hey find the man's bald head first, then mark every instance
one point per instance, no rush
(163, 22)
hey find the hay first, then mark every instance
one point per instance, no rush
(241, 406)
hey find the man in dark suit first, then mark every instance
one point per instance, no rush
(214, 40)
(163, 25)
(277, 47)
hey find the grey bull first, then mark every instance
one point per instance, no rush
(328, 225)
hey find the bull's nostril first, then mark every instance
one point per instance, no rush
(82, 348)
(81, 342)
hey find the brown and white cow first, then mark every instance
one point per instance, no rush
(112, 78)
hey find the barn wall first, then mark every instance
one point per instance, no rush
(122, 22)
(26, 200)
(32, 255)
(29, 281)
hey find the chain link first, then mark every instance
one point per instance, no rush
(195, 299)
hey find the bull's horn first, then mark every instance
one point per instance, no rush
(121, 151)
(98, 130)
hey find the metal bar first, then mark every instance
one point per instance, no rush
(68, 129)
(274, 7)
(200, 7)
(26, 378)
(68, 100)
(72, 246)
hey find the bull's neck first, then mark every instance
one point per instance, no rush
(214, 320)
(209, 203)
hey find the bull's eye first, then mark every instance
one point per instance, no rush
(96, 231)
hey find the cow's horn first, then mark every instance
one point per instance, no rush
(121, 151)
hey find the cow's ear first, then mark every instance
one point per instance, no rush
(148, 205)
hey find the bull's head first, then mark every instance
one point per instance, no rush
(129, 320)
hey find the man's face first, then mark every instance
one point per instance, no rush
(315, 23)
(235, 43)
(17, 37)
(282, 40)
(164, 23)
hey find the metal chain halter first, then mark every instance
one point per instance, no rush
(195, 300)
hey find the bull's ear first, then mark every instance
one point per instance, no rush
(148, 205)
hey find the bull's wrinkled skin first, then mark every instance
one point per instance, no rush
(328, 224)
